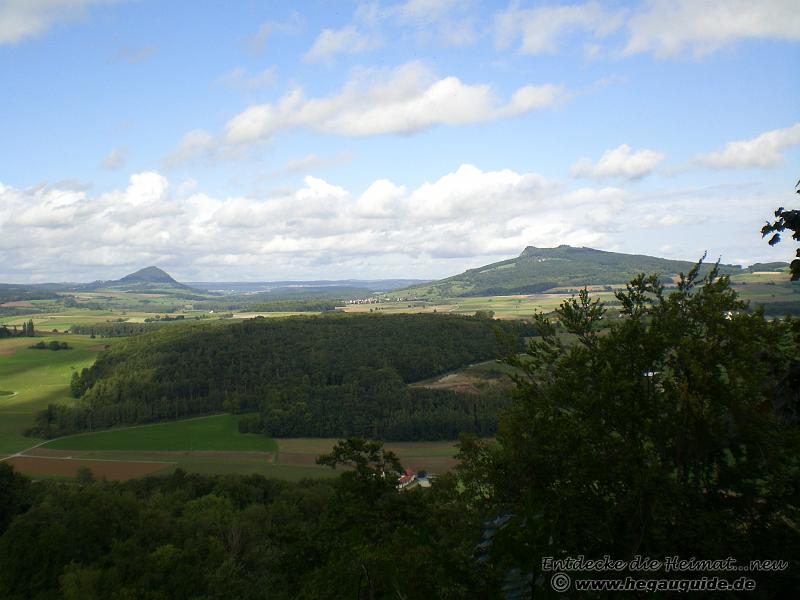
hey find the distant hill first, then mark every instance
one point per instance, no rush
(147, 280)
(540, 269)
(148, 275)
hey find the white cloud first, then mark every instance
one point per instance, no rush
(619, 162)
(762, 151)
(381, 199)
(348, 40)
(20, 19)
(542, 29)
(388, 228)
(464, 218)
(115, 159)
(671, 27)
(410, 99)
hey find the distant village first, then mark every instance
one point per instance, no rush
(378, 300)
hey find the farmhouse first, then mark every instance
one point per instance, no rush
(406, 479)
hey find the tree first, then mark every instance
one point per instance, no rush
(661, 437)
(786, 219)
(367, 458)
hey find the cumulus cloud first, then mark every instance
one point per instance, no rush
(671, 27)
(762, 151)
(543, 29)
(466, 215)
(410, 99)
(620, 162)
(20, 19)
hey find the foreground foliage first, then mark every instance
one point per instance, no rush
(245, 537)
(674, 434)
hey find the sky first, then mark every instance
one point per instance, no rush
(257, 141)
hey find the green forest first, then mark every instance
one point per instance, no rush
(333, 375)
(672, 432)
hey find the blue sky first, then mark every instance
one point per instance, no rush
(257, 140)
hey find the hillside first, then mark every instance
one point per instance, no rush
(540, 269)
(148, 275)
(327, 376)
(147, 280)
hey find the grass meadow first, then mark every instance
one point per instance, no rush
(212, 433)
(36, 378)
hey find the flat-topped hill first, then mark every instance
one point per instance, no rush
(540, 269)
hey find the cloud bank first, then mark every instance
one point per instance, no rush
(319, 229)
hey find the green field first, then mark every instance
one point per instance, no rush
(36, 378)
(215, 433)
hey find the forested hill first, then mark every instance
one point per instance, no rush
(324, 376)
(540, 269)
(148, 279)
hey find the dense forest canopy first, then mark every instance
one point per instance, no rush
(309, 376)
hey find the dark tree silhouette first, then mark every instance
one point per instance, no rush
(786, 219)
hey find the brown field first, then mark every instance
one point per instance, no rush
(435, 457)
(295, 459)
(64, 467)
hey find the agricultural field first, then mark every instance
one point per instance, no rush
(31, 379)
(767, 288)
(772, 289)
(59, 322)
(520, 306)
(207, 445)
